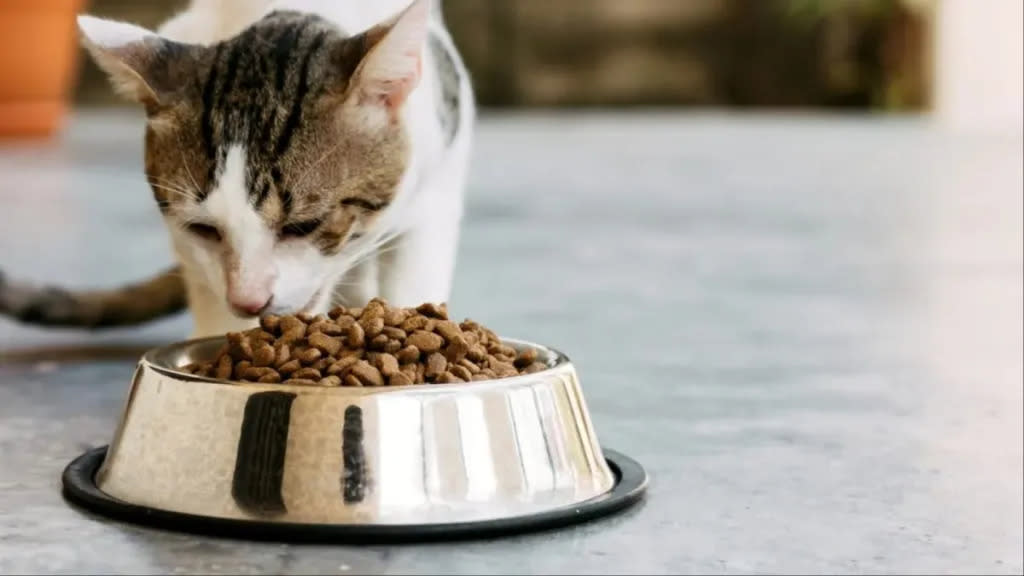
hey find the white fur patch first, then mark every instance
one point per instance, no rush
(111, 34)
(250, 268)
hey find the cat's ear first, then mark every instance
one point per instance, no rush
(141, 65)
(393, 63)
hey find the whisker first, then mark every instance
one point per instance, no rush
(173, 188)
(188, 170)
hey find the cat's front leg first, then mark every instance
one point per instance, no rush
(357, 286)
(418, 266)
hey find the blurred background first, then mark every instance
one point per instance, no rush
(781, 240)
(960, 59)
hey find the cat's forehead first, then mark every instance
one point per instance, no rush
(257, 87)
(264, 118)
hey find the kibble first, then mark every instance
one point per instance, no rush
(376, 345)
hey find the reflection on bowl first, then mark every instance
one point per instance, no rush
(391, 456)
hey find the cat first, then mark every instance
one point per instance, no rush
(302, 153)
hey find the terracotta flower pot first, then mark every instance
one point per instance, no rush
(38, 60)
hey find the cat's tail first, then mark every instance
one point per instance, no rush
(129, 305)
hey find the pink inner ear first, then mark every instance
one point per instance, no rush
(393, 92)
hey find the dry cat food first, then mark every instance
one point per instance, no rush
(376, 345)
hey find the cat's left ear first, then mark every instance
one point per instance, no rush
(393, 64)
(142, 65)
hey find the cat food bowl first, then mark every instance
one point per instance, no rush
(309, 463)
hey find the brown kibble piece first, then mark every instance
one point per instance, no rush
(293, 336)
(355, 312)
(448, 330)
(526, 357)
(270, 378)
(414, 323)
(263, 355)
(393, 346)
(469, 365)
(309, 355)
(324, 343)
(449, 378)
(341, 367)
(289, 323)
(310, 373)
(436, 364)
(352, 381)
(305, 317)
(477, 353)
(408, 354)
(372, 326)
(330, 381)
(461, 372)
(337, 312)
(399, 379)
(254, 373)
(299, 382)
(325, 327)
(394, 316)
(289, 367)
(379, 342)
(239, 346)
(356, 337)
(394, 333)
(456, 349)
(432, 310)
(374, 309)
(387, 364)
(282, 354)
(367, 374)
(224, 368)
(270, 323)
(427, 342)
(410, 371)
(240, 368)
(357, 354)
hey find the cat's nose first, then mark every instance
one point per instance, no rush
(249, 306)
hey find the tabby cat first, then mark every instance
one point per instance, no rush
(301, 153)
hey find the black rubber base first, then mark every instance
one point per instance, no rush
(80, 488)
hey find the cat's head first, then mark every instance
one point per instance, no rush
(274, 154)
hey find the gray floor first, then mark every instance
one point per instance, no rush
(808, 329)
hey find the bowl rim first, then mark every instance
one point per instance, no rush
(157, 359)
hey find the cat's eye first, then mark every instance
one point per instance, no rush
(206, 231)
(299, 229)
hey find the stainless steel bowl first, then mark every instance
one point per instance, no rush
(412, 455)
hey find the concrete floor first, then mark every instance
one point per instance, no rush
(807, 329)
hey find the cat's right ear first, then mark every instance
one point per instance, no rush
(141, 65)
